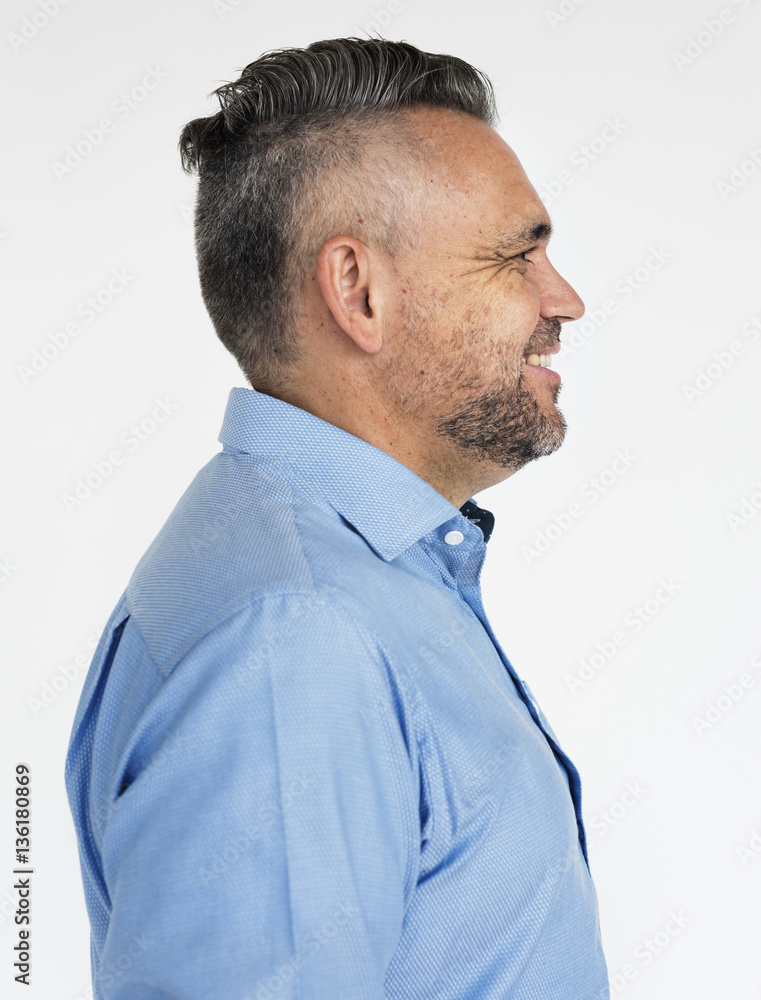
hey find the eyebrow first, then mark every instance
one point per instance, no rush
(532, 233)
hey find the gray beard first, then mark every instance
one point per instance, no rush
(506, 427)
(503, 424)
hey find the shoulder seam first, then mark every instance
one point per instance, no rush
(224, 614)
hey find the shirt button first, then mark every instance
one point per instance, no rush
(453, 537)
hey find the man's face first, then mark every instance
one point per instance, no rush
(478, 298)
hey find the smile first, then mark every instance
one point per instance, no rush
(538, 360)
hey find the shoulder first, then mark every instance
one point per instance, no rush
(243, 544)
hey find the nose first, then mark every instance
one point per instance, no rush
(559, 299)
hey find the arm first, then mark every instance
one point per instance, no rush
(267, 845)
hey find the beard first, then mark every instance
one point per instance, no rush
(476, 386)
(505, 423)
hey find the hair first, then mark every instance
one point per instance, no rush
(307, 142)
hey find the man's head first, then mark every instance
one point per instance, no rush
(371, 250)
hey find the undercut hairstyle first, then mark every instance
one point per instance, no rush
(310, 143)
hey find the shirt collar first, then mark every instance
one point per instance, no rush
(383, 499)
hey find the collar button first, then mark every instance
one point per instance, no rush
(453, 537)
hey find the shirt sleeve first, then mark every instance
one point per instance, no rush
(265, 843)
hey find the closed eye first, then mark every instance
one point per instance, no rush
(522, 256)
(496, 256)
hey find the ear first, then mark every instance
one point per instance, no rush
(350, 280)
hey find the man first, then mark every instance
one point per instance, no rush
(302, 765)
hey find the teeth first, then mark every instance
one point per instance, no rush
(540, 360)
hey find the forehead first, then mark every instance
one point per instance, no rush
(474, 185)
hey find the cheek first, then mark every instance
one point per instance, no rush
(505, 313)
(518, 311)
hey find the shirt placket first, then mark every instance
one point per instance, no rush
(465, 562)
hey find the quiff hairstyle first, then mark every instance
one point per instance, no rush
(307, 142)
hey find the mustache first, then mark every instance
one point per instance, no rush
(546, 334)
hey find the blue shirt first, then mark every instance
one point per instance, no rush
(303, 767)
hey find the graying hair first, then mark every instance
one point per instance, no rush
(285, 164)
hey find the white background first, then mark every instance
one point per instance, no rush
(689, 841)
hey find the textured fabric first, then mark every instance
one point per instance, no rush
(303, 768)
